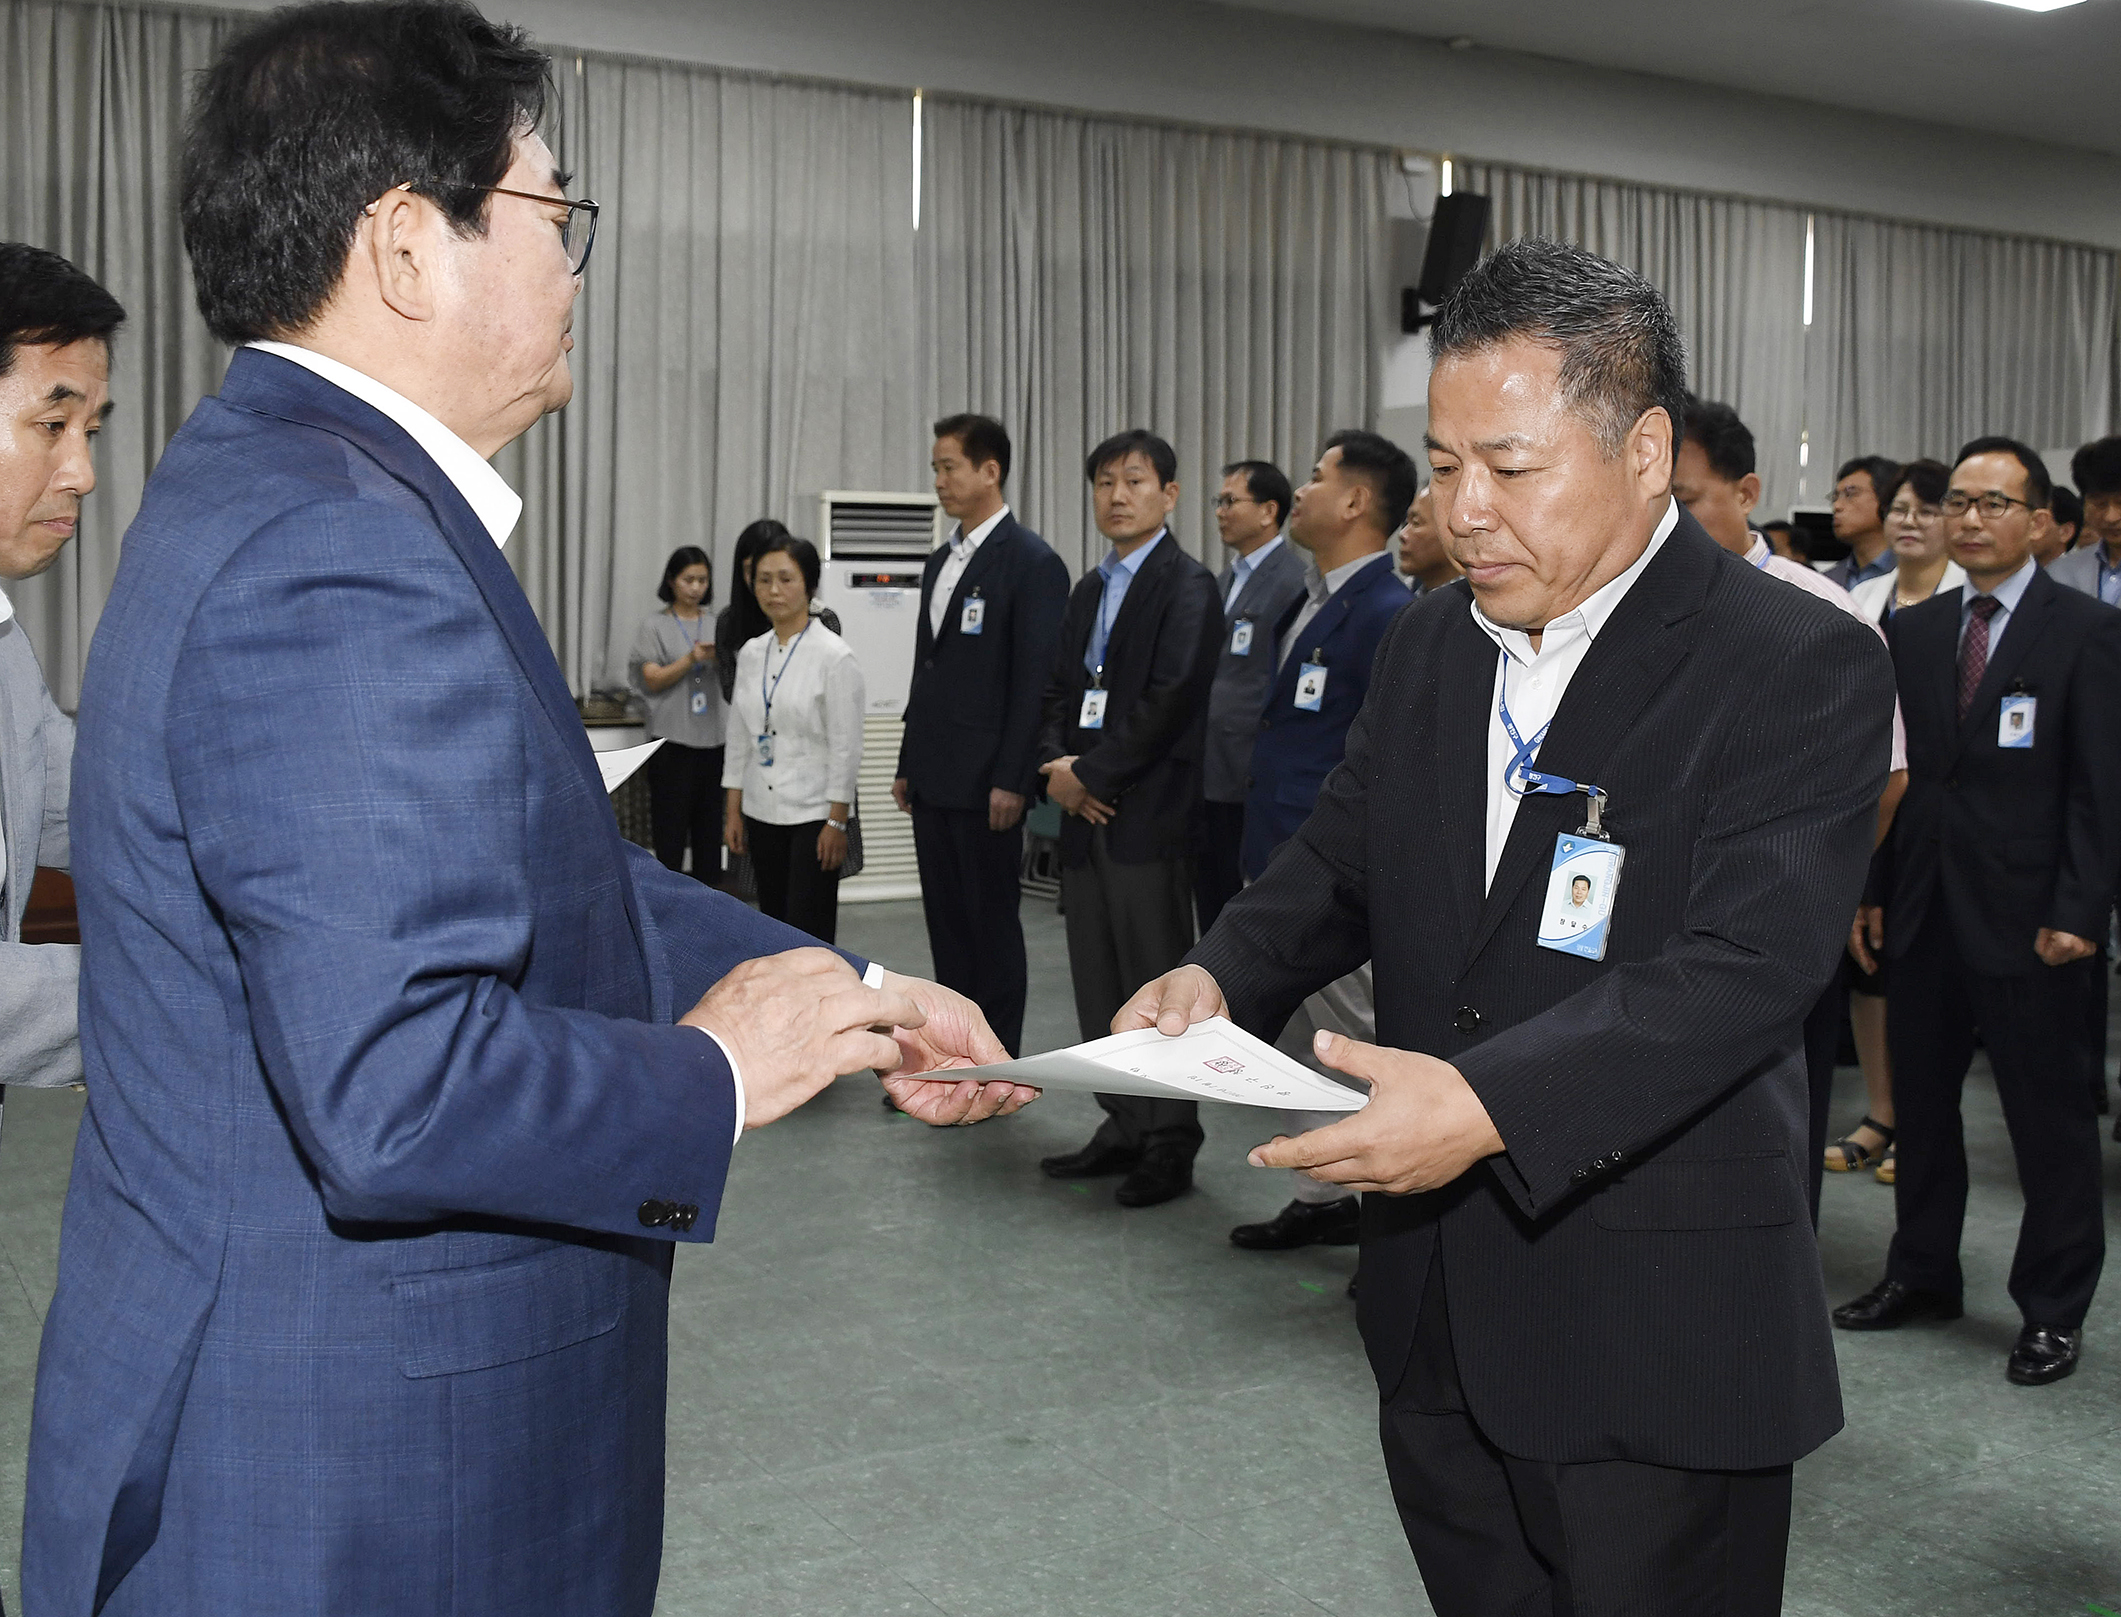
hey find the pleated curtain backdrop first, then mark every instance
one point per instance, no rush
(1732, 270)
(1083, 275)
(1927, 337)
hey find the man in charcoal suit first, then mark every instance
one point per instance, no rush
(1590, 1291)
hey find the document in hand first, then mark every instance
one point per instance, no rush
(619, 764)
(1211, 1060)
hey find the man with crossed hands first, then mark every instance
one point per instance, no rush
(1590, 1292)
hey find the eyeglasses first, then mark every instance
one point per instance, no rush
(1992, 504)
(578, 231)
(1230, 502)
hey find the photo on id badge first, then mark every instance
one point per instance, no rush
(1580, 889)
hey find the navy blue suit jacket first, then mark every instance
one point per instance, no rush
(1296, 749)
(355, 1311)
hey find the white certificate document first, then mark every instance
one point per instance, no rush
(1211, 1060)
(618, 765)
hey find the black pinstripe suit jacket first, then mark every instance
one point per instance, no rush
(1635, 1278)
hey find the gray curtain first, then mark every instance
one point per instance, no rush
(91, 109)
(1083, 275)
(1733, 271)
(1926, 337)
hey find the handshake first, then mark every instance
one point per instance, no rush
(794, 1022)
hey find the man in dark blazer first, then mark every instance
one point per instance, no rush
(1125, 716)
(1996, 885)
(1263, 578)
(991, 604)
(1358, 496)
(1590, 1292)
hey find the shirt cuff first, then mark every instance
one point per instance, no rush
(872, 978)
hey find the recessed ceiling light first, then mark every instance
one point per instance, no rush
(2036, 5)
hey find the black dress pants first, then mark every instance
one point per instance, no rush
(1822, 1042)
(791, 887)
(2032, 1028)
(971, 886)
(1498, 1536)
(1128, 924)
(1218, 877)
(685, 801)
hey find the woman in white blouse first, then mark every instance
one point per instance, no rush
(795, 746)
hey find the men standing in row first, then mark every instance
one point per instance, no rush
(2002, 869)
(1358, 496)
(1262, 580)
(991, 604)
(55, 332)
(1859, 520)
(1125, 719)
(1424, 563)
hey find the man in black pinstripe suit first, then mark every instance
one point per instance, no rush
(1589, 1288)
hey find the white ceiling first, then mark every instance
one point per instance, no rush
(2047, 76)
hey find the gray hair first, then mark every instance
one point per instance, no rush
(1621, 352)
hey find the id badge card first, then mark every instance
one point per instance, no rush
(1310, 687)
(699, 701)
(2015, 727)
(766, 751)
(973, 619)
(1581, 884)
(1092, 716)
(1241, 638)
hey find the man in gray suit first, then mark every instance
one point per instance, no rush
(55, 331)
(1262, 580)
(2095, 567)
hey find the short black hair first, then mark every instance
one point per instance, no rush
(1883, 473)
(310, 115)
(800, 551)
(681, 558)
(2096, 468)
(1573, 880)
(980, 436)
(1387, 468)
(748, 618)
(46, 302)
(2039, 487)
(1265, 482)
(1930, 479)
(2068, 508)
(1621, 352)
(1722, 437)
(1134, 441)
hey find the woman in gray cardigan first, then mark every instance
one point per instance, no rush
(672, 665)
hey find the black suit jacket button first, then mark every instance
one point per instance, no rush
(1466, 1020)
(685, 1217)
(654, 1214)
(1581, 1175)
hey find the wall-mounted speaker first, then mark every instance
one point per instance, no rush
(1455, 235)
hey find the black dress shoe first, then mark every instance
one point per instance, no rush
(1093, 1161)
(2044, 1353)
(1889, 1305)
(1165, 1172)
(1303, 1224)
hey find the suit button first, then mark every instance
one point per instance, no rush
(1466, 1020)
(654, 1214)
(930, 663)
(685, 1217)
(1581, 1176)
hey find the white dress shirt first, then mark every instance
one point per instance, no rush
(962, 546)
(1319, 588)
(497, 506)
(1539, 679)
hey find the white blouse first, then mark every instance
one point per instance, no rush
(818, 698)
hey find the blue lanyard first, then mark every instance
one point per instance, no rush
(1520, 777)
(766, 691)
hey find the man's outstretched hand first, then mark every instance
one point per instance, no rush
(954, 1035)
(1172, 1003)
(1424, 1126)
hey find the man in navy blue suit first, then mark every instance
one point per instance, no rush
(1343, 521)
(363, 1281)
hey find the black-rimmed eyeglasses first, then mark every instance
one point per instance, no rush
(1992, 504)
(578, 231)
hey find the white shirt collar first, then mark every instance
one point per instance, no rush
(7, 607)
(1589, 617)
(969, 542)
(497, 506)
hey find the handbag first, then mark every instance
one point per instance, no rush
(851, 866)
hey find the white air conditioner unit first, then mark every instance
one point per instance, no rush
(873, 548)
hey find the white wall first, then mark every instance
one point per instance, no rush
(1188, 60)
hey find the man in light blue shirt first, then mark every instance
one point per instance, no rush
(2096, 568)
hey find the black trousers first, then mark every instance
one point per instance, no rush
(791, 887)
(971, 886)
(2032, 1026)
(1128, 924)
(1218, 835)
(685, 807)
(1498, 1536)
